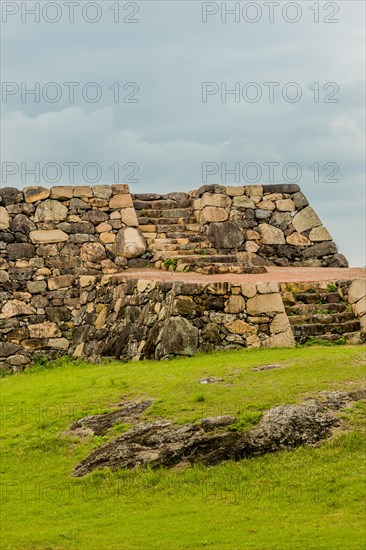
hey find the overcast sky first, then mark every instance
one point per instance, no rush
(159, 131)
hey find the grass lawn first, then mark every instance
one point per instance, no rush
(307, 498)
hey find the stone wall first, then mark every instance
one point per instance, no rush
(66, 230)
(266, 225)
(92, 316)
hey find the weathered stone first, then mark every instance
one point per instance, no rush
(225, 235)
(184, 305)
(320, 234)
(280, 340)
(285, 205)
(86, 280)
(240, 327)
(10, 195)
(209, 199)
(251, 246)
(8, 348)
(92, 252)
(61, 281)
(211, 188)
(129, 217)
(298, 240)
(360, 307)
(50, 211)
(267, 287)
(243, 202)
(35, 193)
(213, 214)
(78, 205)
(107, 237)
(235, 304)
(306, 219)
(102, 315)
(280, 323)
(248, 290)
(300, 201)
(177, 337)
(102, 191)
(121, 201)
(270, 234)
(17, 251)
(266, 205)
(82, 191)
(129, 243)
(13, 308)
(119, 188)
(338, 260)
(61, 344)
(103, 227)
(51, 236)
(234, 191)
(357, 290)
(18, 360)
(265, 303)
(321, 249)
(62, 192)
(4, 219)
(262, 214)
(95, 216)
(23, 224)
(36, 287)
(44, 330)
(4, 277)
(253, 190)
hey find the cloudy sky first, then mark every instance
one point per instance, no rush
(148, 99)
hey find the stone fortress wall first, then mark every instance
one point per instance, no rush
(63, 252)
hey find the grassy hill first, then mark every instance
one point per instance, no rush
(312, 497)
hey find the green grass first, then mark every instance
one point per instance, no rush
(307, 498)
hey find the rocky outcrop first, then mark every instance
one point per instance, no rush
(161, 443)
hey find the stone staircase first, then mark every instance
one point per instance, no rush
(176, 240)
(321, 314)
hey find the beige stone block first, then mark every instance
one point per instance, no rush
(235, 304)
(121, 201)
(62, 192)
(84, 191)
(267, 287)
(35, 193)
(44, 330)
(4, 218)
(252, 235)
(107, 237)
(98, 203)
(252, 341)
(214, 214)
(61, 281)
(58, 343)
(51, 236)
(129, 217)
(234, 191)
(243, 202)
(248, 290)
(209, 199)
(281, 340)
(103, 227)
(360, 307)
(285, 205)
(13, 308)
(50, 211)
(100, 320)
(240, 327)
(115, 215)
(78, 350)
(273, 197)
(102, 191)
(279, 324)
(297, 239)
(251, 246)
(266, 205)
(86, 280)
(357, 290)
(270, 234)
(253, 190)
(320, 234)
(306, 219)
(265, 303)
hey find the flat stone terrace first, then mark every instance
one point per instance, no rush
(276, 274)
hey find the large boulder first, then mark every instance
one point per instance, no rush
(50, 211)
(225, 235)
(177, 337)
(306, 219)
(129, 243)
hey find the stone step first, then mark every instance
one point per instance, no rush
(182, 248)
(169, 221)
(327, 319)
(196, 258)
(308, 309)
(179, 228)
(225, 268)
(319, 329)
(317, 297)
(353, 338)
(170, 213)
